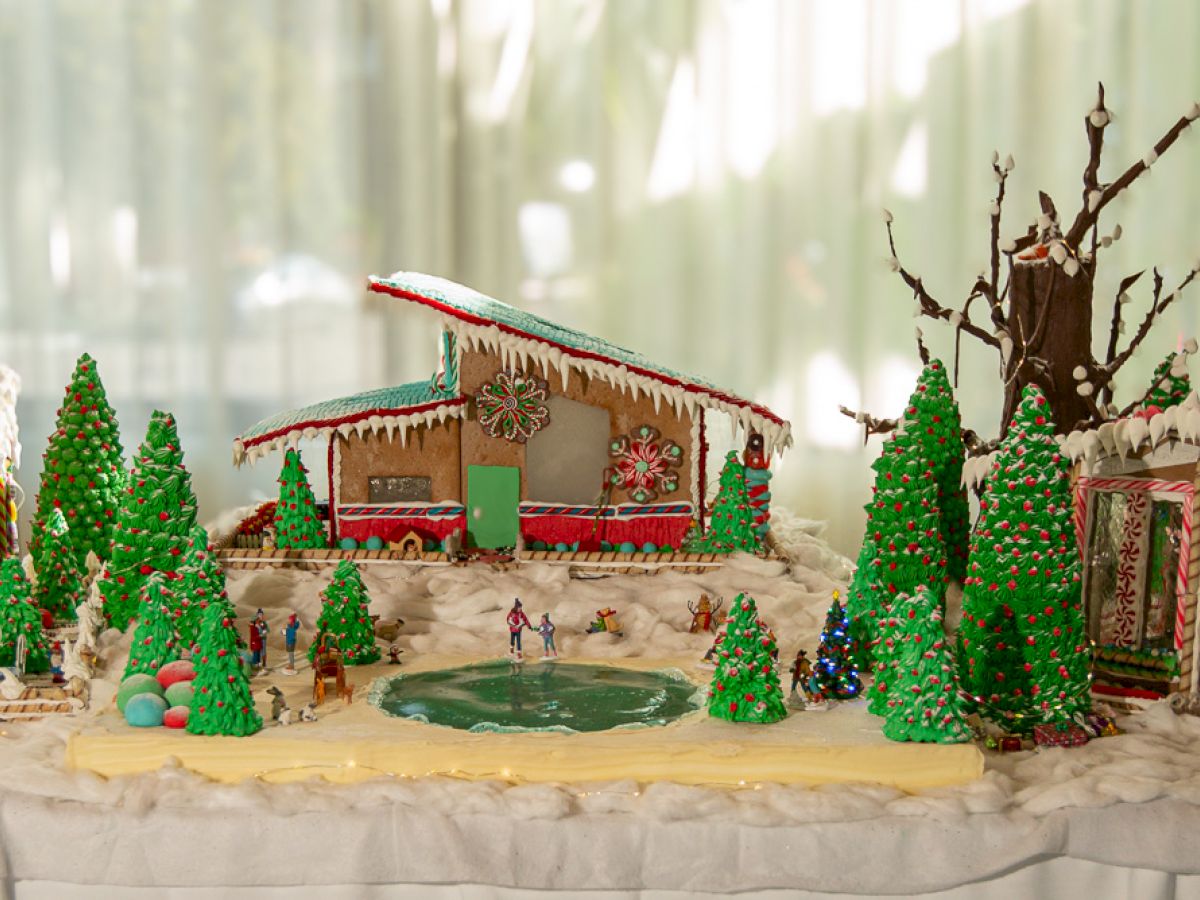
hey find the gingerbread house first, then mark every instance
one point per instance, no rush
(1134, 501)
(529, 433)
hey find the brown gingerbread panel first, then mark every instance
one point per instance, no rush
(625, 414)
(430, 452)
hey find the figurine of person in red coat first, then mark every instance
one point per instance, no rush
(258, 650)
(517, 622)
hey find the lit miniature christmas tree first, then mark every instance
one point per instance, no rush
(835, 672)
(924, 704)
(154, 642)
(933, 420)
(222, 702)
(200, 579)
(1171, 384)
(157, 512)
(745, 686)
(82, 468)
(1023, 649)
(59, 582)
(344, 621)
(296, 521)
(20, 617)
(731, 525)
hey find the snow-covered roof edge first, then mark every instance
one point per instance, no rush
(1123, 437)
(472, 318)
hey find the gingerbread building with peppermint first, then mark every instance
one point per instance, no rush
(529, 434)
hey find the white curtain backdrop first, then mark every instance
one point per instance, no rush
(194, 193)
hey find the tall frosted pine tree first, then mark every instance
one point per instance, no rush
(745, 686)
(154, 523)
(222, 702)
(296, 521)
(1023, 647)
(82, 469)
(344, 621)
(200, 580)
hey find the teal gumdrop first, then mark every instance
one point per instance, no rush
(180, 694)
(374, 542)
(649, 547)
(135, 685)
(561, 547)
(348, 544)
(606, 546)
(628, 547)
(145, 710)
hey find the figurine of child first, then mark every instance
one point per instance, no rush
(546, 630)
(517, 622)
(56, 663)
(801, 673)
(289, 632)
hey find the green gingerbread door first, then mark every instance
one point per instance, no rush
(493, 506)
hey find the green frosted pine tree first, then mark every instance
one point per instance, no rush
(932, 419)
(59, 582)
(200, 579)
(924, 704)
(1023, 648)
(222, 702)
(82, 469)
(154, 643)
(1171, 383)
(20, 617)
(154, 522)
(745, 686)
(344, 622)
(835, 672)
(731, 523)
(296, 521)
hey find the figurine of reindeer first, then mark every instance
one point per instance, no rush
(705, 616)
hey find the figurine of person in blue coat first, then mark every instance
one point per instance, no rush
(546, 630)
(289, 642)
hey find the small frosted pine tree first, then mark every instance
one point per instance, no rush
(59, 582)
(154, 643)
(745, 686)
(731, 525)
(835, 672)
(344, 622)
(20, 618)
(222, 702)
(296, 521)
(1171, 384)
(924, 704)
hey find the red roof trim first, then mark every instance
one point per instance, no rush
(473, 319)
(353, 417)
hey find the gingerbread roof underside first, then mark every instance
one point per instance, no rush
(521, 337)
(392, 409)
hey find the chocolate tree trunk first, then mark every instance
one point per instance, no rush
(1050, 322)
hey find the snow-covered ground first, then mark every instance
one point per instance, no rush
(460, 611)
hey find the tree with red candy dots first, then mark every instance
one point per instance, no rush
(1023, 647)
(933, 420)
(82, 469)
(154, 643)
(155, 519)
(200, 579)
(731, 524)
(924, 704)
(222, 702)
(20, 617)
(59, 582)
(835, 672)
(745, 686)
(344, 621)
(1170, 384)
(296, 521)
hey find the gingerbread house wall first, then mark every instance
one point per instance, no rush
(625, 414)
(431, 452)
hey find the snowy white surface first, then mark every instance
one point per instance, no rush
(1129, 800)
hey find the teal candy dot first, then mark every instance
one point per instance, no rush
(642, 466)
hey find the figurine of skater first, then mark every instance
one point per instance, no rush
(546, 630)
(258, 650)
(260, 623)
(289, 632)
(801, 673)
(517, 622)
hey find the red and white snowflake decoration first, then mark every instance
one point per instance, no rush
(645, 466)
(513, 406)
